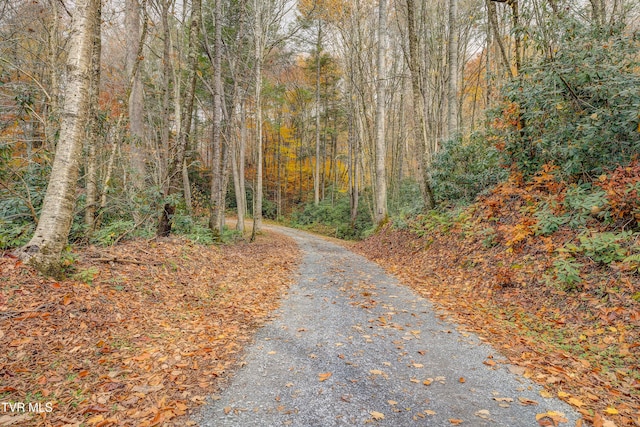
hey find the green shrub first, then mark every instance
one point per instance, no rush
(334, 219)
(567, 274)
(108, 233)
(194, 229)
(548, 222)
(463, 168)
(578, 109)
(604, 248)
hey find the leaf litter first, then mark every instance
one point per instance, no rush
(135, 343)
(583, 346)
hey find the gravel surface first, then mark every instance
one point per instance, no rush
(351, 346)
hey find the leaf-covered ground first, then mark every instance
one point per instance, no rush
(492, 272)
(139, 334)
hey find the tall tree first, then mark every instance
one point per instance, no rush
(216, 219)
(452, 93)
(177, 153)
(135, 102)
(45, 247)
(93, 131)
(420, 123)
(380, 197)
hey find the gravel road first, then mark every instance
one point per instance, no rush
(351, 346)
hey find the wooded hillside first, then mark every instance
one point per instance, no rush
(150, 117)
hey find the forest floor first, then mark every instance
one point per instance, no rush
(489, 270)
(138, 335)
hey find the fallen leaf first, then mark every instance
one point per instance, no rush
(146, 389)
(376, 372)
(377, 415)
(392, 402)
(483, 413)
(429, 412)
(524, 401)
(503, 399)
(575, 402)
(611, 411)
(546, 394)
(551, 418)
(461, 380)
(455, 421)
(95, 420)
(227, 409)
(428, 381)
(325, 376)
(11, 420)
(418, 365)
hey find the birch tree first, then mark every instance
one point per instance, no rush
(45, 247)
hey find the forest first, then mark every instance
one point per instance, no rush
(157, 117)
(495, 139)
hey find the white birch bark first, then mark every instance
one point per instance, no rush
(45, 247)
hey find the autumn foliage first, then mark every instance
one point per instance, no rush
(546, 272)
(142, 332)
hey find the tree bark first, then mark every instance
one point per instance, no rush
(316, 170)
(420, 128)
(258, 57)
(45, 247)
(217, 202)
(136, 103)
(175, 163)
(91, 200)
(452, 92)
(380, 197)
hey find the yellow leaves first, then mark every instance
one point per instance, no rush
(575, 402)
(546, 394)
(324, 376)
(611, 411)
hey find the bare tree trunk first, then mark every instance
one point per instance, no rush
(175, 163)
(217, 203)
(493, 21)
(452, 92)
(94, 131)
(186, 188)
(53, 42)
(259, 53)
(166, 92)
(420, 128)
(44, 249)
(136, 103)
(316, 171)
(238, 155)
(380, 198)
